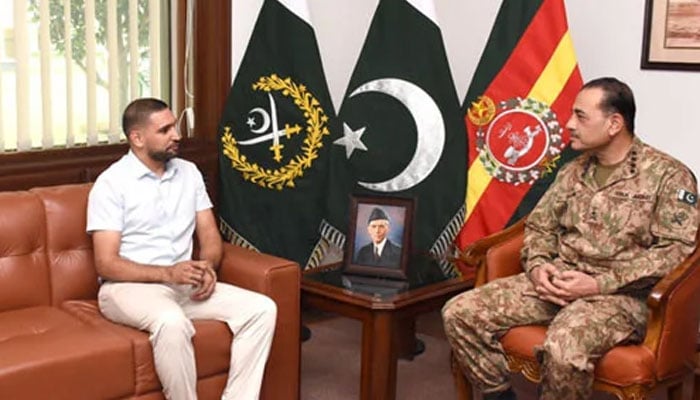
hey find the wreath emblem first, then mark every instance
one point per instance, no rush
(316, 128)
(520, 141)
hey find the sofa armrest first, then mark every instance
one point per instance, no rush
(503, 259)
(496, 255)
(279, 279)
(255, 271)
(674, 314)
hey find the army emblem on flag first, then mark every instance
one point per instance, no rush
(272, 161)
(267, 128)
(517, 104)
(519, 141)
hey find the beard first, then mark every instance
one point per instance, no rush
(162, 156)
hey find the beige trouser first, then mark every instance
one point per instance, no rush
(166, 311)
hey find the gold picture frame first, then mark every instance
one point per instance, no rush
(671, 35)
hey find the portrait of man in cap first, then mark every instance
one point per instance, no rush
(380, 252)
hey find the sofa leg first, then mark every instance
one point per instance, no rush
(688, 387)
(683, 390)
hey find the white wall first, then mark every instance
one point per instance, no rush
(607, 36)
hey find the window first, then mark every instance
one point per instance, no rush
(69, 67)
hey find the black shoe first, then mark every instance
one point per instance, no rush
(507, 395)
(305, 333)
(419, 347)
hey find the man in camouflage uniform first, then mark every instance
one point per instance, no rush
(615, 221)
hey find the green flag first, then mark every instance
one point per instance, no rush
(402, 132)
(274, 136)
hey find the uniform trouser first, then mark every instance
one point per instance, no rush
(578, 334)
(166, 311)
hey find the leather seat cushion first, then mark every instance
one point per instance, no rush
(212, 344)
(623, 365)
(45, 350)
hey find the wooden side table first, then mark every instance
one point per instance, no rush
(383, 314)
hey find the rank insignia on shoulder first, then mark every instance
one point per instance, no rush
(687, 197)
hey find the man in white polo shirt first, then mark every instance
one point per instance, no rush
(142, 213)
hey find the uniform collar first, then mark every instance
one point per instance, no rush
(628, 168)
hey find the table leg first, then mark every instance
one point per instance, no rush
(379, 357)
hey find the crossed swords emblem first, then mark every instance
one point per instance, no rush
(269, 121)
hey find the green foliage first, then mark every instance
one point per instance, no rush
(77, 31)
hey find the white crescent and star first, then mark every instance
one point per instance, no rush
(265, 120)
(426, 115)
(430, 130)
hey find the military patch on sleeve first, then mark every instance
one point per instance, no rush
(687, 197)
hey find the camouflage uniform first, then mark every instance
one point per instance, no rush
(627, 235)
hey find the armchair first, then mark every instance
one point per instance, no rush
(664, 360)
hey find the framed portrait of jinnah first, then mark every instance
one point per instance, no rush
(379, 236)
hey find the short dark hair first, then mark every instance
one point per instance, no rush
(139, 110)
(617, 98)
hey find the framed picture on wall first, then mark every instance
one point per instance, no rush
(379, 236)
(671, 35)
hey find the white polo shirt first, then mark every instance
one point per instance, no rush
(155, 215)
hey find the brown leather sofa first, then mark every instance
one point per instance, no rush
(54, 344)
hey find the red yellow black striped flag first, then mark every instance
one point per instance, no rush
(515, 111)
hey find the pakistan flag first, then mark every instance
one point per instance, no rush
(274, 138)
(402, 134)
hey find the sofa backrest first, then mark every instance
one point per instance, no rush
(68, 247)
(24, 273)
(45, 254)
